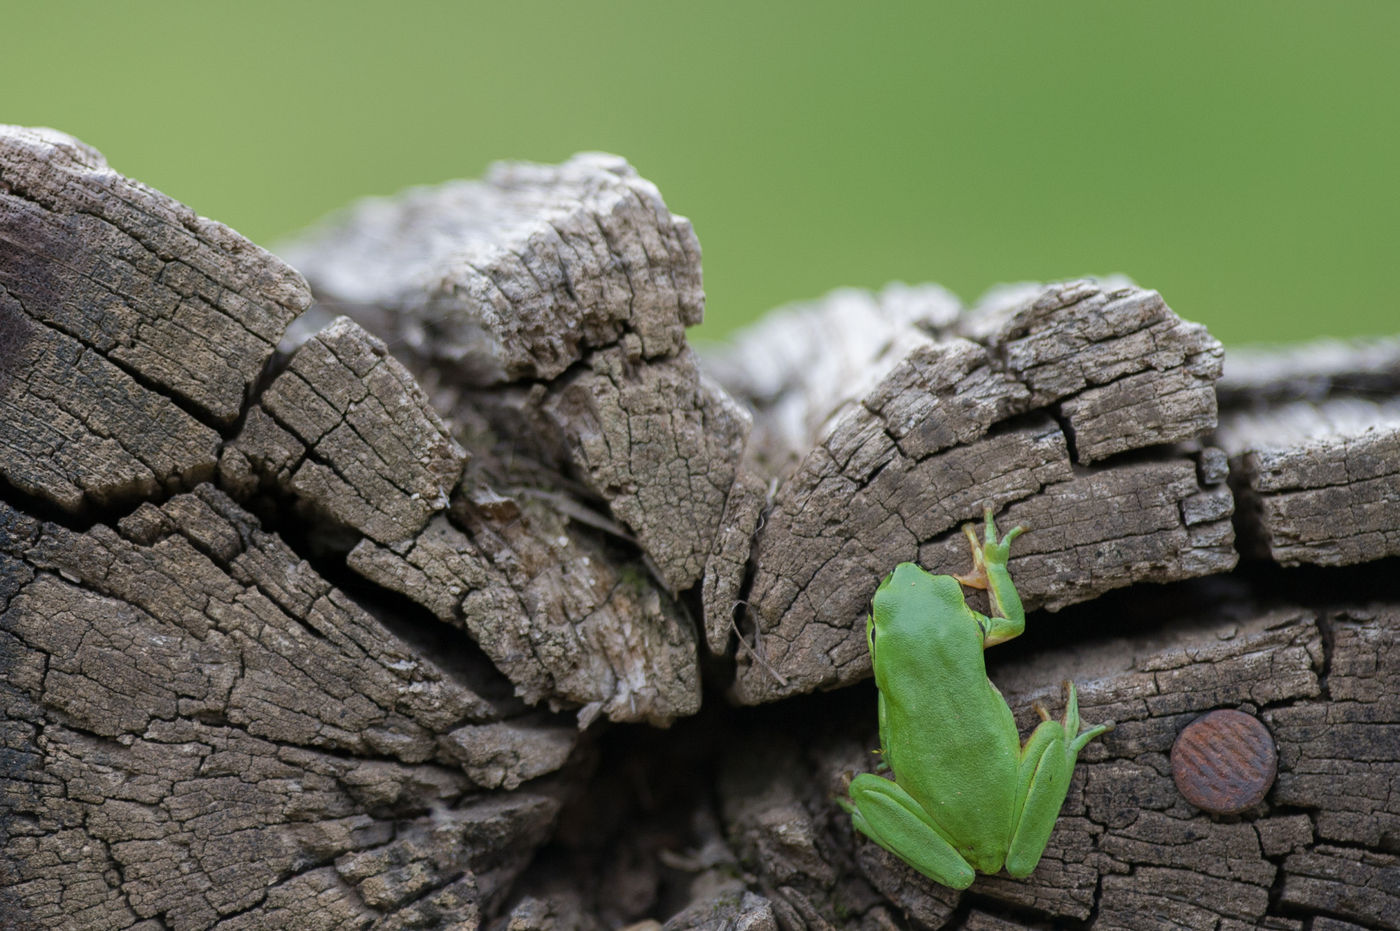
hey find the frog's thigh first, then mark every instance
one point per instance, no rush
(1046, 766)
(892, 818)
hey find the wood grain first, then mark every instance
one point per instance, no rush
(387, 610)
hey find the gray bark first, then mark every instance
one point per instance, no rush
(323, 621)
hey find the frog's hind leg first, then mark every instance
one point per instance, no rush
(1042, 783)
(1047, 763)
(890, 816)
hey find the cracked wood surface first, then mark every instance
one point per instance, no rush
(302, 626)
(1313, 433)
(350, 435)
(202, 728)
(1027, 407)
(1128, 852)
(570, 617)
(131, 330)
(571, 287)
(515, 277)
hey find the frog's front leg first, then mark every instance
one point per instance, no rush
(888, 815)
(1047, 762)
(989, 571)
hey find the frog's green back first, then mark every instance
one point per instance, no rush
(953, 743)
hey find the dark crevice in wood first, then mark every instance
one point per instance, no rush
(46, 511)
(1029, 918)
(1329, 649)
(275, 365)
(741, 628)
(1056, 411)
(454, 652)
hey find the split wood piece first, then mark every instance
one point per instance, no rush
(516, 276)
(180, 302)
(131, 329)
(954, 425)
(661, 444)
(270, 646)
(566, 619)
(576, 618)
(204, 729)
(1128, 850)
(575, 284)
(800, 366)
(656, 440)
(1126, 371)
(727, 565)
(1130, 373)
(1313, 435)
(348, 434)
(551, 589)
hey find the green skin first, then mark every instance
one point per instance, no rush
(967, 795)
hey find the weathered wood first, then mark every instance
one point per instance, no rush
(191, 705)
(567, 619)
(1313, 433)
(574, 284)
(350, 437)
(1128, 851)
(516, 276)
(116, 301)
(728, 562)
(286, 639)
(655, 440)
(347, 432)
(798, 366)
(1027, 419)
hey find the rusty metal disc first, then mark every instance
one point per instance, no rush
(1224, 762)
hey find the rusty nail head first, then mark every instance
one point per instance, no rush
(1224, 762)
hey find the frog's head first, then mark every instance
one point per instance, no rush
(906, 579)
(902, 599)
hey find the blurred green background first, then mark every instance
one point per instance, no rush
(1238, 156)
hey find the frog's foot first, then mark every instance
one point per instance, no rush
(1078, 739)
(1047, 763)
(977, 578)
(988, 550)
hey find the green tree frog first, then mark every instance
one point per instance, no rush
(967, 795)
